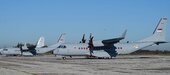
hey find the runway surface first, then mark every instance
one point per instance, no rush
(50, 65)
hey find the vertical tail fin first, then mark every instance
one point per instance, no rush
(25, 45)
(159, 32)
(41, 42)
(61, 38)
(60, 41)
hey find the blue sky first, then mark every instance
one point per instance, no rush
(27, 20)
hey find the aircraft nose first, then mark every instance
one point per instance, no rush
(3, 52)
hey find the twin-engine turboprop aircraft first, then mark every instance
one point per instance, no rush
(112, 47)
(31, 50)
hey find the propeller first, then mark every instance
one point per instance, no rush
(91, 46)
(83, 39)
(19, 45)
(31, 48)
(90, 36)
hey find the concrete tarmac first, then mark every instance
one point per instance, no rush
(51, 65)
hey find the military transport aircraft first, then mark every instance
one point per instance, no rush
(112, 47)
(23, 49)
(31, 50)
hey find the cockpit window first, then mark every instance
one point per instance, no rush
(5, 49)
(62, 46)
(58, 46)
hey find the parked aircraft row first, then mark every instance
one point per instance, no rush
(32, 51)
(101, 49)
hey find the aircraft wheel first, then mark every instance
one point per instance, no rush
(63, 58)
(111, 57)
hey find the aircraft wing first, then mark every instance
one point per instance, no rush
(110, 42)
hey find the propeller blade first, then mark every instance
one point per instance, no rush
(90, 36)
(83, 39)
(91, 46)
(20, 46)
